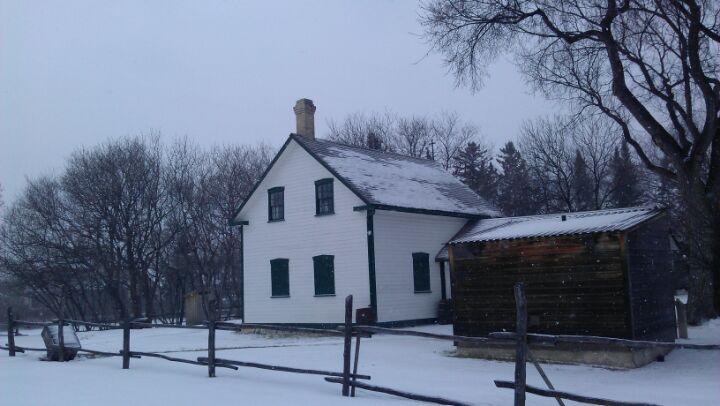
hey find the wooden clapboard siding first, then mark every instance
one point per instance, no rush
(301, 236)
(651, 287)
(397, 236)
(574, 285)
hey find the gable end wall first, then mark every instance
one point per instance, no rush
(299, 237)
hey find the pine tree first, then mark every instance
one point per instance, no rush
(474, 167)
(374, 142)
(515, 192)
(582, 185)
(626, 189)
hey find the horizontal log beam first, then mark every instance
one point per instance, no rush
(33, 323)
(17, 349)
(570, 396)
(448, 337)
(94, 324)
(282, 368)
(154, 325)
(291, 329)
(572, 339)
(406, 395)
(181, 360)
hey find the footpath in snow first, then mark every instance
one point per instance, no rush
(687, 377)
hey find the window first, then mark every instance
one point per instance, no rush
(421, 271)
(324, 197)
(276, 204)
(324, 275)
(279, 277)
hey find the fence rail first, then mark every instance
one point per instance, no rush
(349, 377)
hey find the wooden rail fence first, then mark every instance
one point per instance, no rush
(349, 378)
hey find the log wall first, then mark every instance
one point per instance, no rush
(574, 285)
(651, 282)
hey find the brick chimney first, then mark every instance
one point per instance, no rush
(305, 116)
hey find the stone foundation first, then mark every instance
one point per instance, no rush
(608, 356)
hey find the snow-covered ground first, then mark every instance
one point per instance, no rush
(687, 377)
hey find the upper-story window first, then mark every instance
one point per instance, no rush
(324, 203)
(276, 204)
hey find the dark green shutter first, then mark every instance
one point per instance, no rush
(324, 266)
(421, 271)
(279, 277)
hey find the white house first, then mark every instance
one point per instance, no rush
(327, 220)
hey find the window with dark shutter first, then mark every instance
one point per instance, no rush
(324, 203)
(276, 204)
(421, 272)
(324, 266)
(279, 277)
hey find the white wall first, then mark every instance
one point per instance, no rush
(397, 236)
(300, 237)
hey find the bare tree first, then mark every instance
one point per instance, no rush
(374, 130)
(649, 66)
(450, 136)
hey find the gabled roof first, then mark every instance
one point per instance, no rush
(549, 225)
(386, 180)
(398, 181)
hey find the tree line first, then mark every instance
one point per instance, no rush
(129, 227)
(557, 164)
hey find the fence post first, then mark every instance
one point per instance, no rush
(11, 332)
(126, 344)
(211, 345)
(347, 346)
(681, 310)
(521, 345)
(61, 340)
(355, 365)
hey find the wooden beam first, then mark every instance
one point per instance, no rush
(280, 368)
(555, 339)
(347, 345)
(10, 332)
(521, 344)
(448, 337)
(569, 396)
(406, 395)
(181, 360)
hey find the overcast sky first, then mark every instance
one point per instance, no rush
(76, 73)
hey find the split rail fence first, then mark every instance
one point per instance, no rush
(349, 378)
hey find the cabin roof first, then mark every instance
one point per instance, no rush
(548, 225)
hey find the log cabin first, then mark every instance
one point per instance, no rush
(603, 273)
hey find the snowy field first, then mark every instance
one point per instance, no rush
(426, 366)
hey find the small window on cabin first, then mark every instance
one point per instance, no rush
(324, 266)
(279, 277)
(324, 203)
(276, 204)
(421, 272)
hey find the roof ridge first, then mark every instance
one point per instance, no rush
(375, 151)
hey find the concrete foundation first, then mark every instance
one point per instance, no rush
(608, 356)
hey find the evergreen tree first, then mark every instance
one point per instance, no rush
(374, 142)
(626, 189)
(474, 167)
(515, 191)
(582, 184)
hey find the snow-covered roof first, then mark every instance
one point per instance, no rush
(393, 180)
(548, 225)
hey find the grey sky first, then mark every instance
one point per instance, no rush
(76, 73)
